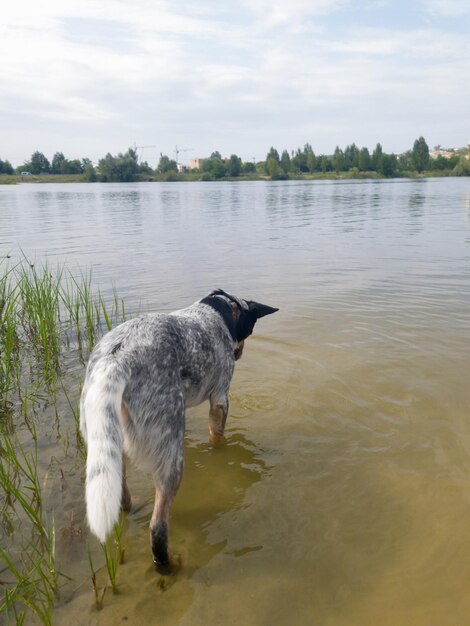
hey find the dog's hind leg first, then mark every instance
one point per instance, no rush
(217, 417)
(126, 500)
(125, 493)
(167, 480)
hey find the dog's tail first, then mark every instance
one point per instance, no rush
(101, 427)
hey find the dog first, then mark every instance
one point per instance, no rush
(140, 378)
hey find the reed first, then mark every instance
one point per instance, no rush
(9, 357)
(75, 410)
(44, 317)
(22, 595)
(114, 553)
(99, 596)
(40, 314)
(34, 579)
(88, 314)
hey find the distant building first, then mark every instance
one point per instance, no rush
(197, 163)
(444, 152)
(449, 152)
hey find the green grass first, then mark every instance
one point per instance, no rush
(13, 179)
(99, 594)
(40, 314)
(47, 317)
(113, 551)
(33, 578)
(9, 358)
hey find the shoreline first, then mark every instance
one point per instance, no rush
(13, 179)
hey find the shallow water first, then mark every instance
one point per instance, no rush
(342, 495)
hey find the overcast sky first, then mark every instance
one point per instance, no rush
(88, 77)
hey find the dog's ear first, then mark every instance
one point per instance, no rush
(260, 310)
(218, 292)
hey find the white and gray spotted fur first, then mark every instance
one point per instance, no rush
(154, 366)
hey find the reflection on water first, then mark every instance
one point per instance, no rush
(342, 495)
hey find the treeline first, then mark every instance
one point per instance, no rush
(351, 161)
(356, 161)
(6, 167)
(120, 168)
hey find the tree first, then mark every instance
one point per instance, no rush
(420, 155)
(58, 162)
(72, 167)
(338, 160)
(389, 165)
(123, 168)
(6, 167)
(463, 166)
(89, 172)
(144, 168)
(248, 167)
(325, 163)
(440, 163)
(106, 168)
(219, 168)
(273, 155)
(310, 158)
(364, 161)
(166, 164)
(39, 164)
(285, 162)
(127, 166)
(214, 166)
(234, 165)
(351, 156)
(299, 160)
(405, 162)
(61, 165)
(377, 159)
(273, 169)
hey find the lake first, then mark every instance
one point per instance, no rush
(342, 494)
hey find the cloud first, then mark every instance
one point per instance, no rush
(72, 73)
(154, 69)
(278, 12)
(448, 8)
(419, 44)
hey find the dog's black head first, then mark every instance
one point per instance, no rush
(239, 315)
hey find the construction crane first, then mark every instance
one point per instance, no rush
(142, 148)
(178, 150)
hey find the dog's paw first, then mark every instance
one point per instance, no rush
(216, 440)
(171, 567)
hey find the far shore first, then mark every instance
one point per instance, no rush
(7, 179)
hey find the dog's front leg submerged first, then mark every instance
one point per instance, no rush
(159, 530)
(217, 417)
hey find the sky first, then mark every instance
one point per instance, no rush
(87, 77)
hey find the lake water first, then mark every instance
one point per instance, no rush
(342, 495)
